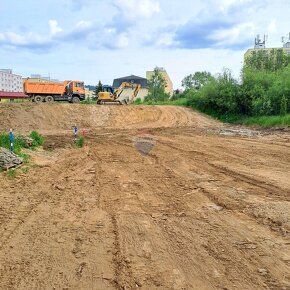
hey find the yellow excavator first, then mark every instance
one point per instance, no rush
(111, 96)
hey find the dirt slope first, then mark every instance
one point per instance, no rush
(27, 117)
(183, 204)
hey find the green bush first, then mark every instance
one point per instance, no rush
(5, 142)
(80, 142)
(19, 141)
(37, 138)
(283, 106)
(137, 101)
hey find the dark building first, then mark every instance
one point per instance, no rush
(130, 79)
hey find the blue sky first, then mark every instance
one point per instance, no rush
(105, 39)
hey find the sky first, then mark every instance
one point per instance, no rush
(94, 40)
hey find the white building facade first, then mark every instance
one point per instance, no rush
(10, 82)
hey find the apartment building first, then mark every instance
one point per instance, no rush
(10, 82)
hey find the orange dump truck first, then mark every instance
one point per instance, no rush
(71, 91)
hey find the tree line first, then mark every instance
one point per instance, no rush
(263, 88)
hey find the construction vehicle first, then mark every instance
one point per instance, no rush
(71, 91)
(111, 96)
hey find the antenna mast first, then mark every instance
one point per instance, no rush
(259, 43)
(286, 41)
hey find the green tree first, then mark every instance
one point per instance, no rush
(283, 106)
(269, 60)
(156, 87)
(99, 88)
(196, 80)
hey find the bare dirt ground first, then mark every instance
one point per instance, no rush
(159, 198)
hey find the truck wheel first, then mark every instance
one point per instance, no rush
(49, 99)
(38, 99)
(76, 100)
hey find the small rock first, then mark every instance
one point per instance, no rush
(263, 272)
(81, 268)
(59, 187)
(127, 260)
(138, 284)
(156, 215)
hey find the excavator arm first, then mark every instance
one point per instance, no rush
(107, 96)
(120, 89)
(135, 93)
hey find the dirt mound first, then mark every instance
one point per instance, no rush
(159, 198)
(171, 208)
(46, 117)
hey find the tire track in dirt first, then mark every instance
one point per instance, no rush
(113, 218)
(161, 218)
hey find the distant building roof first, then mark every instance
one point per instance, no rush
(14, 95)
(130, 79)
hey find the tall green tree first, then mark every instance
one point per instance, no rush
(196, 81)
(99, 88)
(269, 60)
(156, 87)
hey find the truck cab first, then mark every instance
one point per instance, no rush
(76, 91)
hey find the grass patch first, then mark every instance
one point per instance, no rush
(19, 142)
(11, 173)
(25, 157)
(88, 102)
(80, 142)
(265, 121)
(25, 169)
(37, 138)
(5, 143)
(178, 102)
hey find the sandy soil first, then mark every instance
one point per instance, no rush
(159, 198)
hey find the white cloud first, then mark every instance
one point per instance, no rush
(14, 38)
(31, 39)
(272, 27)
(122, 41)
(234, 35)
(224, 5)
(133, 9)
(54, 28)
(83, 24)
(28, 40)
(166, 40)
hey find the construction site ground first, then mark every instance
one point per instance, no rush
(160, 197)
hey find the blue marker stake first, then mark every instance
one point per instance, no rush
(11, 137)
(75, 133)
